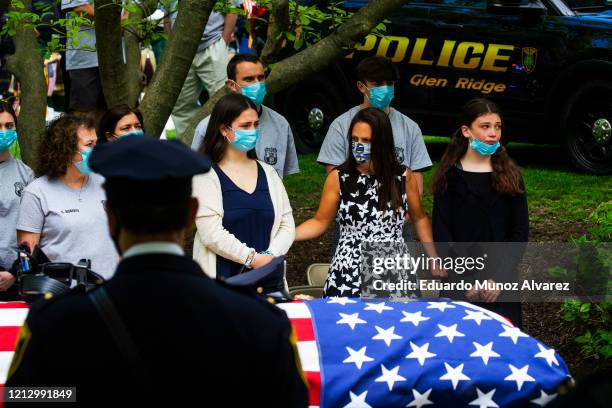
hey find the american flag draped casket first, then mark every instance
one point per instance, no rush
(357, 353)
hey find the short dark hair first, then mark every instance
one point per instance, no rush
(137, 213)
(237, 59)
(227, 109)
(60, 143)
(377, 69)
(111, 117)
(8, 108)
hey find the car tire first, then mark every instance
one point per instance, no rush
(310, 107)
(585, 117)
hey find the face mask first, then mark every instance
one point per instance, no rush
(381, 96)
(255, 92)
(483, 148)
(132, 133)
(7, 138)
(361, 152)
(245, 140)
(83, 165)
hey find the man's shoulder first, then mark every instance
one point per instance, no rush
(273, 115)
(397, 116)
(346, 117)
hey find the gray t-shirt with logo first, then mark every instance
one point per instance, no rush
(72, 223)
(14, 177)
(409, 144)
(84, 55)
(275, 145)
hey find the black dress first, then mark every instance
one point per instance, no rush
(469, 209)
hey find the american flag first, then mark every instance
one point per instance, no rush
(357, 353)
(12, 317)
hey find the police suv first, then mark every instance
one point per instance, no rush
(547, 63)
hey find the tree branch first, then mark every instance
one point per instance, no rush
(113, 73)
(27, 66)
(187, 136)
(279, 23)
(168, 80)
(316, 57)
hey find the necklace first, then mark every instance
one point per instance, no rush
(83, 184)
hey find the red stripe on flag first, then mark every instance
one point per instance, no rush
(8, 337)
(314, 390)
(13, 305)
(303, 329)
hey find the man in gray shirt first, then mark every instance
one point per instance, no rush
(376, 78)
(82, 63)
(275, 146)
(208, 67)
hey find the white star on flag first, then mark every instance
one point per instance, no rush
(357, 357)
(340, 300)
(358, 401)
(484, 352)
(387, 335)
(519, 375)
(350, 319)
(477, 316)
(420, 400)
(548, 355)
(485, 400)
(414, 318)
(390, 376)
(450, 332)
(441, 306)
(454, 374)
(379, 307)
(420, 353)
(544, 398)
(513, 332)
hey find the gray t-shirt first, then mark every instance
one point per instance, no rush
(409, 144)
(72, 223)
(78, 57)
(214, 27)
(14, 176)
(275, 145)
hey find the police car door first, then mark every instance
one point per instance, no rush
(472, 51)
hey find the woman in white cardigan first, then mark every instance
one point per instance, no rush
(244, 219)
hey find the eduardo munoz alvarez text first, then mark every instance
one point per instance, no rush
(459, 265)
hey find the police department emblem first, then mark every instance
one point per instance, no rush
(530, 56)
(399, 153)
(19, 186)
(270, 156)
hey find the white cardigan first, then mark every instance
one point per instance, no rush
(212, 239)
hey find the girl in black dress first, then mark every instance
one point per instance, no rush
(479, 194)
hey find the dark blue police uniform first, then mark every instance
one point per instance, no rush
(181, 337)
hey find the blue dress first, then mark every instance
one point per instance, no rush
(249, 217)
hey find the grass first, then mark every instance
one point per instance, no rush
(555, 191)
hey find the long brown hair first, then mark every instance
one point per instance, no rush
(506, 176)
(226, 110)
(384, 160)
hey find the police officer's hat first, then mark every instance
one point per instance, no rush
(147, 170)
(269, 280)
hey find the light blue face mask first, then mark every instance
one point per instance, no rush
(83, 165)
(7, 138)
(361, 152)
(132, 133)
(255, 92)
(483, 148)
(245, 140)
(381, 96)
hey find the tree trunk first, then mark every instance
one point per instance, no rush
(279, 23)
(28, 67)
(113, 72)
(168, 80)
(187, 136)
(291, 70)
